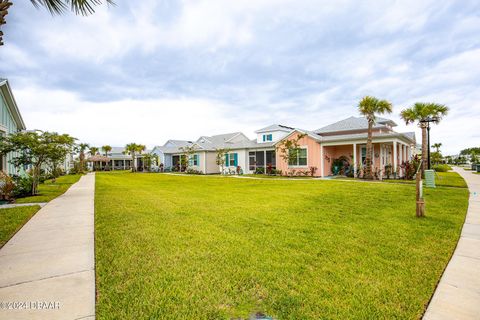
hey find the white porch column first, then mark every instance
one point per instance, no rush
(123, 164)
(265, 161)
(355, 160)
(395, 160)
(322, 173)
(401, 156)
(382, 164)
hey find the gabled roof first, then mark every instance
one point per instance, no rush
(178, 143)
(222, 141)
(12, 104)
(275, 127)
(410, 135)
(311, 134)
(354, 123)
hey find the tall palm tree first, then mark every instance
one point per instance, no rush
(82, 147)
(437, 146)
(106, 149)
(368, 107)
(421, 111)
(83, 7)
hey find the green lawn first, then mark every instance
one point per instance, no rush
(174, 247)
(12, 219)
(49, 191)
(266, 176)
(442, 179)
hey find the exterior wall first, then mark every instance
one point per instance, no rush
(211, 163)
(7, 126)
(313, 155)
(276, 136)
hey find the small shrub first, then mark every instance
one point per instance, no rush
(269, 168)
(193, 171)
(312, 171)
(23, 186)
(442, 167)
(260, 170)
(6, 186)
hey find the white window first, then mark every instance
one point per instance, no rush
(298, 158)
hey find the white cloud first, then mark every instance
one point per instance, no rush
(180, 69)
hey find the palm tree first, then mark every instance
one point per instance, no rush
(437, 147)
(82, 147)
(420, 112)
(93, 151)
(141, 148)
(368, 107)
(83, 7)
(132, 149)
(106, 149)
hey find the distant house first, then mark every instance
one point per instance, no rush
(10, 121)
(318, 149)
(118, 159)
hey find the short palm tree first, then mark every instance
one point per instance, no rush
(106, 149)
(419, 112)
(369, 107)
(437, 147)
(83, 7)
(93, 150)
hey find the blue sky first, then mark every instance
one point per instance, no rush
(152, 70)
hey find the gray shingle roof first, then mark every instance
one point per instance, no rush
(275, 127)
(179, 143)
(353, 123)
(363, 136)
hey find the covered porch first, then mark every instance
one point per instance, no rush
(387, 158)
(261, 160)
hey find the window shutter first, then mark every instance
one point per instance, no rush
(264, 137)
(235, 159)
(227, 158)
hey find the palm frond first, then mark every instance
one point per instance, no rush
(83, 7)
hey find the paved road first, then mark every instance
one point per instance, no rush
(458, 293)
(47, 269)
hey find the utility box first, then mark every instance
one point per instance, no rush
(430, 178)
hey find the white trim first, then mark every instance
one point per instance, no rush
(395, 161)
(322, 174)
(355, 160)
(298, 159)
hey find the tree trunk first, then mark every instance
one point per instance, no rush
(36, 173)
(368, 159)
(424, 148)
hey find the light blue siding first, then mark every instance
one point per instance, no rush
(8, 126)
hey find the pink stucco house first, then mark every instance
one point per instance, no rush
(348, 138)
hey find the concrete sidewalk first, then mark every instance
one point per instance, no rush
(47, 269)
(458, 293)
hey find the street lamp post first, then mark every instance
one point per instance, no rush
(427, 120)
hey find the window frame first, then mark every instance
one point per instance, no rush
(297, 162)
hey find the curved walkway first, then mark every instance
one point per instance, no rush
(47, 268)
(458, 293)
